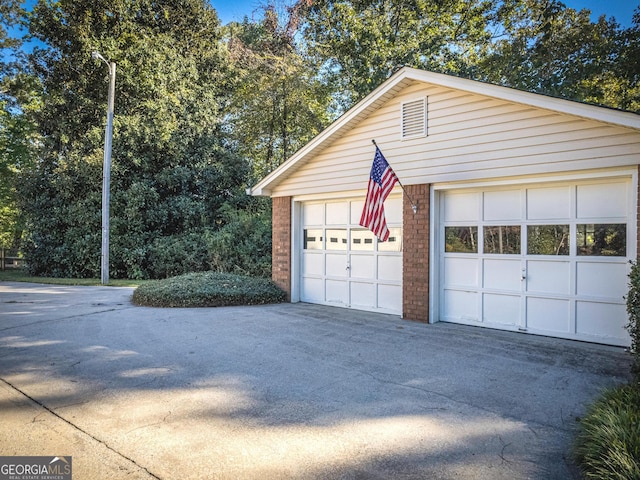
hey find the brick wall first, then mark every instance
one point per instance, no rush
(415, 254)
(281, 239)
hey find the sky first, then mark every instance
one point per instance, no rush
(235, 10)
(622, 10)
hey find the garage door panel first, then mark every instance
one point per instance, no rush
(313, 263)
(601, 279)
(363, 294)
(313, 214)
(502, 205)
(390, 268)
(501, 309)
(548, 315)
(601, 319)
(393, 210)
(362, 266)
(461, 305)
(337, 213)
(336, 265)
(550, 277)
(502, 274)
(549, 203)
(390, 297)
(312, 290)
(462, 207)
(337, 291)
(341, 263)
(602, 200)
(462, 272)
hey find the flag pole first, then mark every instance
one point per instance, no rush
(414, 206)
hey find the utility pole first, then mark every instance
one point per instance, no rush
(106, 170)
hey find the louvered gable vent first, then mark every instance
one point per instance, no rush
(414, 118)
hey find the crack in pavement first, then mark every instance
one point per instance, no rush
(79, 429)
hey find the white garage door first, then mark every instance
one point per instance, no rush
(343, 264)
(550, 260)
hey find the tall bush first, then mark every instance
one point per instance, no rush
(243, 244)
(633, 310)
(173, 166)
(608, 443)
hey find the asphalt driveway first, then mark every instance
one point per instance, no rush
(284, 391)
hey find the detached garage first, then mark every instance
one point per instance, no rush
(518, 212)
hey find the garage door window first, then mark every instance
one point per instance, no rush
(461, 239)
(548, 239)
(313, 239)
(393, 243)
(336, 239)
(607, 240)
(503, 239)
(362, 240)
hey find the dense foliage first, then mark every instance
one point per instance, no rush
(172, 171)
(633, 311)
(535, 45)
(279, 102)
(608, 443)
(208, 289)
(204, 110)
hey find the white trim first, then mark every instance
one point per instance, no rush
(540, 179)
(345, 195)
(434, 258)
(296, 248)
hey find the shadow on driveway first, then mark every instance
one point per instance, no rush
(284, 391)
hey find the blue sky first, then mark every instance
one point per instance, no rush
(230, 10)
(622, 10)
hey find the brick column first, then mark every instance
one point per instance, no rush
(415, 254)
(281, 243)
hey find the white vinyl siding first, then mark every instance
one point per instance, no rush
(470, 136)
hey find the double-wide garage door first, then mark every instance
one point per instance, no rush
(343, 264)
(547, 259)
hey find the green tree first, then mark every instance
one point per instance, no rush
(279, 103)
(18, 100)
(173, 169)
(358, 44)
(550, 49)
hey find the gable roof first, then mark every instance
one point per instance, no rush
(407, 76)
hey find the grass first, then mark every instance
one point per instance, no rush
(608, 443)
(18, 275)
(208, 289)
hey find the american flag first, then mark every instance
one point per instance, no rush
(381, 182)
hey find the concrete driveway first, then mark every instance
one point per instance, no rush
(284, 391)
